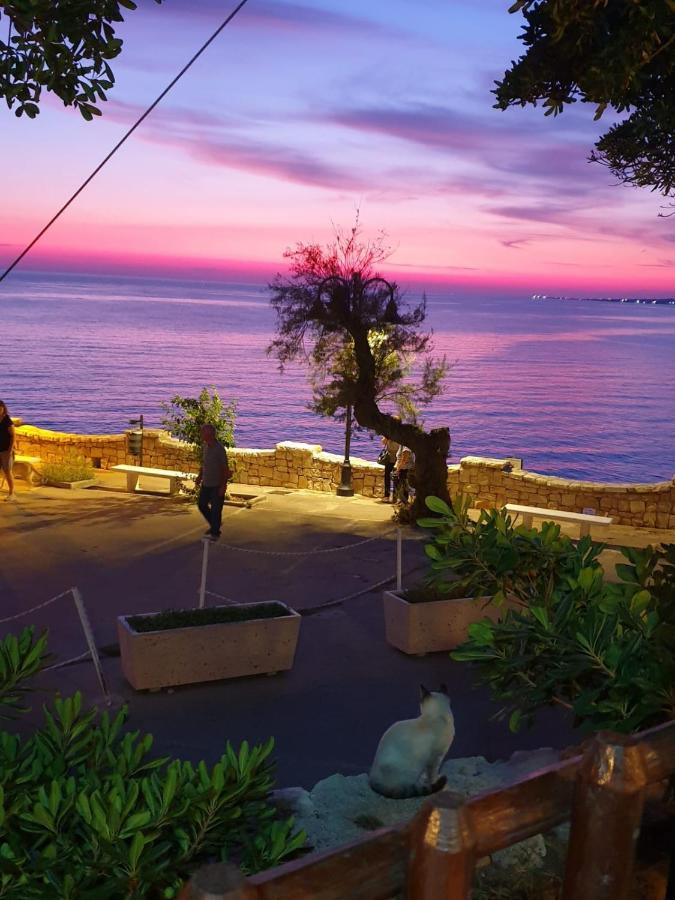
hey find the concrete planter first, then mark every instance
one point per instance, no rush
(71, 485)
(173, 656)
(419, 628)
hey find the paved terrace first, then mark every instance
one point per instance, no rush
(134, 554)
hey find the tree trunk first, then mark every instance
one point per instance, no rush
(431, 448)
(431, 468)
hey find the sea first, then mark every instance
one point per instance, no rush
(574, 388)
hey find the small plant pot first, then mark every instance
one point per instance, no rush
(70, 485)
(169, 656)
(418, 628)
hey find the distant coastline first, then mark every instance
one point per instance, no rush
(643, 301)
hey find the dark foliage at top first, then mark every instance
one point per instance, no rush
(61, 46)
(615, 54)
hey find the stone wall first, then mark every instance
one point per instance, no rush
(293, 465)
(641, 505)
(288, 465)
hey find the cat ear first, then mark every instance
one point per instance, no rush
(444, 690)
(424, 693)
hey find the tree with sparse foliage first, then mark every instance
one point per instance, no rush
(61, 46)
(335, 312)
(616, 54)
(185, 416)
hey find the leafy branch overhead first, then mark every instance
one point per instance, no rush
(618, 55)
(60, 46)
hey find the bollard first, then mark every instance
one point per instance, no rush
(205, 566)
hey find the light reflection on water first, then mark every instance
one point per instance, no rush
(574, 389)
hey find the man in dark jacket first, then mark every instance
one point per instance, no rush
(212, 481)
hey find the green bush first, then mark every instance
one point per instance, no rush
(72, 467)
(490, 556)
(604, 651)
(21, 658)
(184, 417)
(87, 813)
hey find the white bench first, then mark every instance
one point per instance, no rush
(558, 515)
(24, 467)
(134, 474)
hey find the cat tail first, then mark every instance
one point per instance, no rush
(405, 793)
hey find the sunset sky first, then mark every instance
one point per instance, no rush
(303, 112)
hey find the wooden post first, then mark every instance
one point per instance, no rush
(442, 860)
(606, 814)
(219, 881)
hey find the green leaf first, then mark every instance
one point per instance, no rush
(435, 504)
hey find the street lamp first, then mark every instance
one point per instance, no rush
(351, 289)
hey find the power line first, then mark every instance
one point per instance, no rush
(128, 134)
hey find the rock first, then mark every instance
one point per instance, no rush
(340, 809)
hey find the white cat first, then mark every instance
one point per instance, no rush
(410, 753)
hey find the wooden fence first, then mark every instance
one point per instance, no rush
(613, 795)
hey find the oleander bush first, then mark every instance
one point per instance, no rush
(71, 468)
(604, 651)
(87, 812)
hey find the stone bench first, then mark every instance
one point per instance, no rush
(24, 467)
(558, 515)
(134, 473)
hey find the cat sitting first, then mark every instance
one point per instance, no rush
(410, 753)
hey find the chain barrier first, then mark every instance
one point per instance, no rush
(378, 537)
(27, 612)
(68, 662)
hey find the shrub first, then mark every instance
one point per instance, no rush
(87, 813)
(490, 556)
(603, 651)
(72, 467)
(21, 658)
(184, 417)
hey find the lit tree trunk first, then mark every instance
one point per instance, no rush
(431, 448)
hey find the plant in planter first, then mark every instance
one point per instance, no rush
(194, 645)
(477, 568)
(73, 471)
(87, 812)
(603, 651)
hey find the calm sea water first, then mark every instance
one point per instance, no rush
(577, 389)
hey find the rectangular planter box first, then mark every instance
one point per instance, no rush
(419, 628)
(157, 659)
(72, 485)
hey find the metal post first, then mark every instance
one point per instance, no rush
(91, 643)
(205, 565)
(345, 488)
(399, 559)
(140, 456)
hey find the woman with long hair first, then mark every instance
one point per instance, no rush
(7, 438)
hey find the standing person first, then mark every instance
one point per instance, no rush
(7, 441)
(212, 480)
(388, 460)
(405, 460)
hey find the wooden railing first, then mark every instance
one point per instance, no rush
(607, 793)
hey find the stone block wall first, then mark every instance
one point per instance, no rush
(640, 505)
(295, 465)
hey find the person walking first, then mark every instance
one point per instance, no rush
(7, 441)
(212, 480)
(388, 459)
(405, 460)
